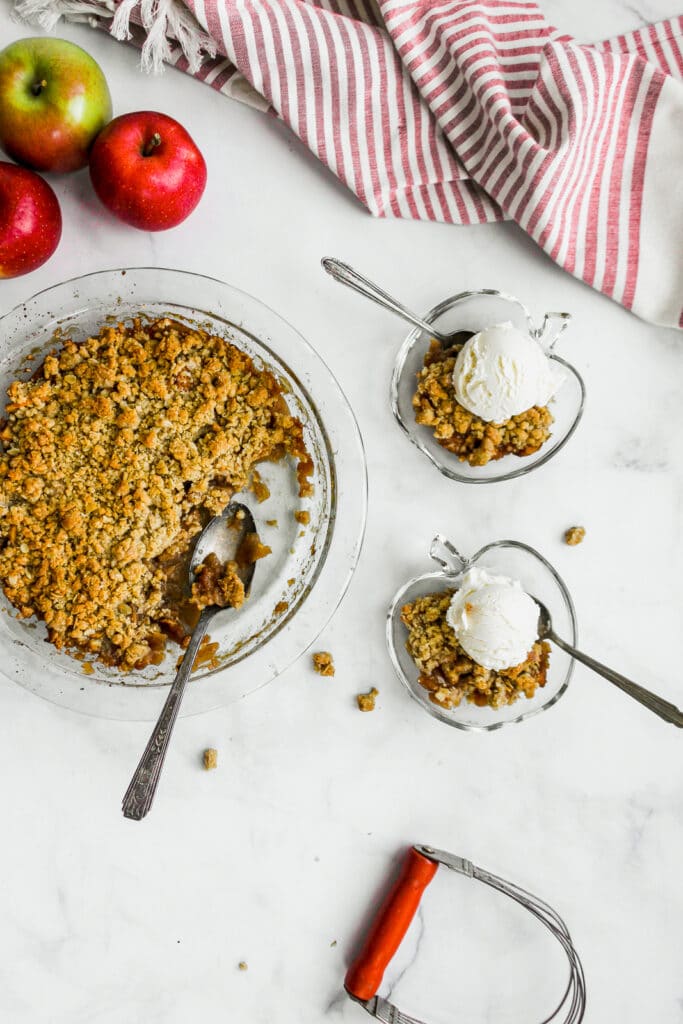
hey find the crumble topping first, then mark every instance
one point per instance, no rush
(323, 663)
(574, 535)
(366, 701)
(461, 432)
(114, 455)
(450, 675)
(210, 759)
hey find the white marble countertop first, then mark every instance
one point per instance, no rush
(274, 858)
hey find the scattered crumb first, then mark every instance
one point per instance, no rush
(574, 535)
(271, 522)
(302, 533)
(290, 583)
(323, 663)
(87, 668)
(280, 607)
(333, 944)
(366, 701)
(259, 487)
(210, 759)
(302, 516)
(243, 965)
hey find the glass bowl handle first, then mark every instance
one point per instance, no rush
(448, 556)
(554, 324)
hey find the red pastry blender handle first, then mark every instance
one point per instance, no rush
(392, 921)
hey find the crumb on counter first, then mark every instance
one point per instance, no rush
(271, 522)
(574, 535)
(243, 965)
(323, 663)
(366, 701)
(303, 516)
(291, 582)
(210, 759)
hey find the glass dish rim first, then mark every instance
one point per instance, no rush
(360, 470)
(444, 573)
(410, 429)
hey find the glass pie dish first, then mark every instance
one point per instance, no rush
(537, 576)
(472, 311)
(279, 622)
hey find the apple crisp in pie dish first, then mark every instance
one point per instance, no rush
(114, 455)
(478, 643)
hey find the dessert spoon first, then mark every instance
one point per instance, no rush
(552, 326)
(218, 537)
(345, 274)
(669, 712)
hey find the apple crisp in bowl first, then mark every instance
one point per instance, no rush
(134, 405)
(492, 400)
(464, 640)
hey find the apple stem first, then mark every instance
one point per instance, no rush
(152, 144)
(38, 87)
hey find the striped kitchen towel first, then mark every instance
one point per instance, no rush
(463, 111)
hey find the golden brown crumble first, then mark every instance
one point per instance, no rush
(210, 759)
(217, 584)
(243, 965)
(259, 487)
(366, 701)
(281, 607)
(271, 522)
(114, 454)
(574, 535)
(323, 663)
(461, 432)
(302, 516)
(451, 675)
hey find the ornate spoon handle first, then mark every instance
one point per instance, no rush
(345, 274)
(140, 793)
(663, 708)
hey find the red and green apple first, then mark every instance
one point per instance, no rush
(54, 100)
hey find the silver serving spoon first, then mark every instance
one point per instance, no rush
(221, 538)
(669, 712)
(345, 274)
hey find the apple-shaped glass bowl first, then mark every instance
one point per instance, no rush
(473, 311)
(538, 578)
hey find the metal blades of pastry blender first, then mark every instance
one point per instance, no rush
(572, 1006)
(385, 1011)
(573, 1002)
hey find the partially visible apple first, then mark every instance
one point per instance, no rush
(53, 102)
(147, 170)
(30, 221)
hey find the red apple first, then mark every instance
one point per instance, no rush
(147, 170)
(53, 101)
(30, 221)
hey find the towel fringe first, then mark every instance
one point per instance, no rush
(163, 21)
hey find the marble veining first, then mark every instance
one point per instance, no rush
(275, 857)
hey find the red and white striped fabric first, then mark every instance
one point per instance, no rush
(468, 111)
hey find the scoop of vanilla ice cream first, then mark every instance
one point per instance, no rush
(501, 371)
(494, 620)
